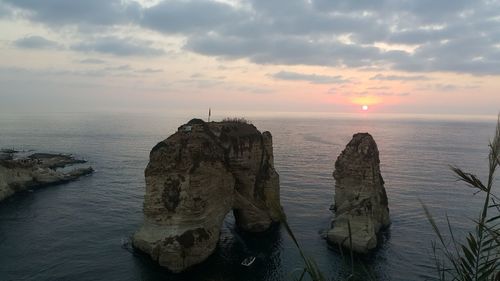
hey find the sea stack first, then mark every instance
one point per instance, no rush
(194, 178)
(360, 197)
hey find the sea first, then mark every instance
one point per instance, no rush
(81, 230)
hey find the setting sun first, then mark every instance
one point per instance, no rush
(364, 107)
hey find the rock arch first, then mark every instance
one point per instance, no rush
(194, 178)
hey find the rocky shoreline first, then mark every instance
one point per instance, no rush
(36, 170)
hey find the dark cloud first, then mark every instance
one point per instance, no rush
(458, 36)
(36, 42)
(448, 36)
(417, 36)
(189, 16)
(283, 50)
(297, 17)
(76, 12)
(419, 11)
(4, 10)
(119, 47)
(474, 51)
(312, 78)
(399, 77)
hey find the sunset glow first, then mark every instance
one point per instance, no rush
(368, 100)
(144, 55)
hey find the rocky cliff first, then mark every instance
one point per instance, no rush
(194, 178)
(360, 197)
(39, 169)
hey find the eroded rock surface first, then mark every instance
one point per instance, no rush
(39, 169)
(194, 178)
(360, 197)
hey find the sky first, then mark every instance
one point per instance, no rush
(309, 56)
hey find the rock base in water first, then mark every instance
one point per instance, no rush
(194, 178)
(39, 169)
(360, 198)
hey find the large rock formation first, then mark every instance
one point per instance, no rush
(194, 178)
(360, 197)
(39, 169)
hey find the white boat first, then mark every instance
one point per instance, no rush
(248, 261)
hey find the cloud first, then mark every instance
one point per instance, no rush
(349, 93)
(458, 36)
(149, 70)
(255, 89)
(378, 88)
(20, 72)
(447, 87)
(117, 70)
(189, 16)
(36, 42)
(78, 12)
(312, 78)
(123, 67)
(279, 50)
(382, 77)
(389, 94)
(201, 83)
(92, 61)
(419, 8)
(4, 11)
(345, 33)
(119, 47)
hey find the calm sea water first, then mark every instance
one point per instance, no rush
(76, 231)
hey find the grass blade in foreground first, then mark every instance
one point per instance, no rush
(478, 258)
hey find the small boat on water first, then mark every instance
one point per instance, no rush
(248, 261)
